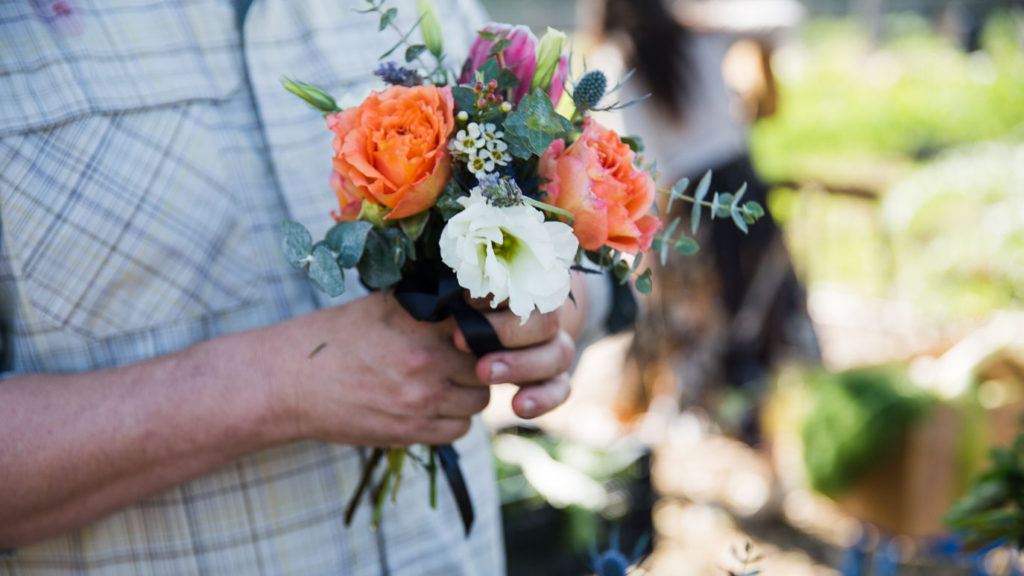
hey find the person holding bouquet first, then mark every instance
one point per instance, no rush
(174, 400)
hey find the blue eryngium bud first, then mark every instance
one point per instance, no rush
(589, 90)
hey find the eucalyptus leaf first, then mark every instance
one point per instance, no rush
(677, 192)
(413, 52)
(297, 243)
(414, 225)
(325, 272)
(377, 268)
(723, 204)
(687, 246)
(698, 196)
(533, 126)
(348, 239)
(464, 98)
(737, 218)
(643, 283)
(387, 17)
(667, 240)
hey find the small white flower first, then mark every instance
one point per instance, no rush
(480, 162)
(499, 152)
(469, 139)
(509, 253)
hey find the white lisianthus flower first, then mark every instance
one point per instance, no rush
(509, 253)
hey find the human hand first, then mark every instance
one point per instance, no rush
(381, 378)
(537, 354)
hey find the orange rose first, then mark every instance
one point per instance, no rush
(393, 149)
(596, 180)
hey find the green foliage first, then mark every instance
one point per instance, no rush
(957, 230)
(698, 197)
(533, 126)
(348, 239)
(992, 511)
(381, 264)
(842, 100)
(325, 272)
(297, 243)
(858, 417)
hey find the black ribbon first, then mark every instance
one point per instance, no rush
(431, 293)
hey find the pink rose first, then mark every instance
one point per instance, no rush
(610, 198)
(520, 57)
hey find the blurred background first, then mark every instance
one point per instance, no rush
(823, 395)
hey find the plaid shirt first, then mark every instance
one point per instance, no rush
(147, 156)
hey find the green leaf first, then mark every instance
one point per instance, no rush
(488, 71)
(499, 47)
(377, 268)
(325, 272)
(297, 243)
(753, 210)
(464, 99)
(635, 143)
(414, 225)
(387, 18)
(734, 209)
(348, 239)
(676, 192)
(722, 204)
(533, 126)
(413, 52)
(687, 246)
(488, 35)
(667, 240)
(621, 271)
(698, 196)
(738, 220)
(643, 283)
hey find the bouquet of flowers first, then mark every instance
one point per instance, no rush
(472, 181)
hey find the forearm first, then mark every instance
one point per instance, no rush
(77, 446)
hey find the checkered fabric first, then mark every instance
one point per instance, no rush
(147, 156)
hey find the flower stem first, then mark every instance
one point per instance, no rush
(549, 208)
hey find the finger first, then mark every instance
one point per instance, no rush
(464, 401)
(534, 364)
(513, 333)
(537, 399)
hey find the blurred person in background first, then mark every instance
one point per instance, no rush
(722, 320)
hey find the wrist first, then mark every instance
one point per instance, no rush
(242, 368)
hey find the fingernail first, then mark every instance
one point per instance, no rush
(499, 371)
(529, 407)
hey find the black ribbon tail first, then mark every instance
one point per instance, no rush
(432, 293)
(453, 472)
(480, 335)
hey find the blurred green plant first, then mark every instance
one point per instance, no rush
(856, 418)
(992, 511)
(957, 228)
(844, 103)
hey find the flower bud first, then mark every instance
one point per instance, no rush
(431, 27)
(316, 97)
(548, 56)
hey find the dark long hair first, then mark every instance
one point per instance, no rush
(656, 48)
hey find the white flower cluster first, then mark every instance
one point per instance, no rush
(480, 146)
